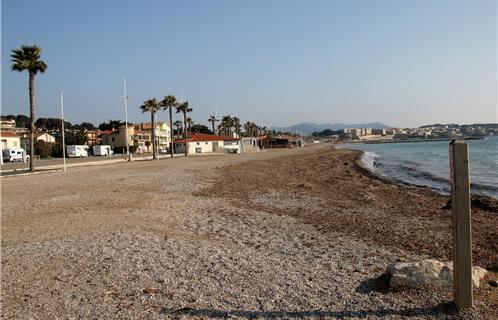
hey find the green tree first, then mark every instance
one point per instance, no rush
(29, 58)
(43, 149)
(213, 121)
(236, 125)
(169, 102)
(184, 108)
(152, 106)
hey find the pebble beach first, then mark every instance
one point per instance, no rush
(278, 234)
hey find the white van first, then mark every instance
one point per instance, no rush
(102, 151)
(77, 151)
(15, 154)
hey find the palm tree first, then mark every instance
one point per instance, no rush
(169, 102)
(184, 108)
(152, 106)
(213, 121)
(190, 123)
(28, 58)
(236, 125)
(178, 124)
(226, 124)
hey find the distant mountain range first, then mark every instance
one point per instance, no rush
(309, 127)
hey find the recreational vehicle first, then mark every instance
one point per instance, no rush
(15, 154)
(77, 151)
(102, 150)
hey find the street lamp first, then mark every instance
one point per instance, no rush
(125, 98)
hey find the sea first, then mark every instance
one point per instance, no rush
(427, 164)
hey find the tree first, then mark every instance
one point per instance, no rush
(178, 124)
(236, 125)
(169, 102)
(190, 122)
(43, 149)
(184, 108)
(151, 106)
(113, 124)
(28, 58)
(200, 128)
(87, 126)
(213, 121)
(226, 125)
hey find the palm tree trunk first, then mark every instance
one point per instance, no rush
(212, 123)
(185, 131)
(171, 146)
(153, 135)
(32, 115)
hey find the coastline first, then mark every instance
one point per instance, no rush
(295, 233)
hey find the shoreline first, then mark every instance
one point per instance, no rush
(400, 182)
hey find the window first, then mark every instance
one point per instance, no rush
(112, 139)
(206, 143)
(198, 143)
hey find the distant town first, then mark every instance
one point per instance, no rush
(427, 132)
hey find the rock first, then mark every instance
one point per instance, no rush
(493, 283)
(427, 271)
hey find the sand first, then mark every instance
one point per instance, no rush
(295, 233)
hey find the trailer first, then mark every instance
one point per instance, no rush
(76, 151)
(102, 150)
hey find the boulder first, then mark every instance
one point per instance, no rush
(427, 271)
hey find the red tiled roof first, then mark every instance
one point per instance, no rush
(109, 132)
(7, 134)
(203, 137)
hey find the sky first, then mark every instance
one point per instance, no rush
(275, 62)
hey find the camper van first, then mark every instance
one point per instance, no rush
(102, 151)
(77, 151)
(15, 154)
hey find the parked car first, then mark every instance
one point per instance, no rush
(15, 154)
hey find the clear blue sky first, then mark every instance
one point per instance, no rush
(401, 62)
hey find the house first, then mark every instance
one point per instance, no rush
(9, 140)
(45, 137)
(117, 138)
(162, 133)
(267, 142)
(92, 137)
(7, 124)
(206, 143)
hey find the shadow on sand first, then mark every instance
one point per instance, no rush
(440, 310)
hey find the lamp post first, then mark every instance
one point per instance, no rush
(125, 98)
(63, 139)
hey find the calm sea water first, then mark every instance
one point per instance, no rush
(427, 164)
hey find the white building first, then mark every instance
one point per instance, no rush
(45, 137)
(206, 143)
(9, 140)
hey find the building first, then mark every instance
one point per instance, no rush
(45, 137)
(249, 144)
(162, 133)
(9, 140)
(7, 124)
(117, 138)
(92, 137)
(267, 142)
(206, 143)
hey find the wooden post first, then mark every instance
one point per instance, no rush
(461, 224)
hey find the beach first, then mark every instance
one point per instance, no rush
(290, 233)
